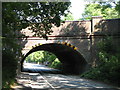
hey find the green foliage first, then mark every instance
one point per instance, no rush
(92, 10)
(39, 15)
(109, 65)
(19, 15)
(35, 57)
(9, 66)
(69, 16)
(56, 64)
(42, 57)
(107, 10)
(106, 45)
(118, 7)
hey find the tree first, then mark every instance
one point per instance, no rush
(105, 9)
(118, 7)
(40, 16)
(69, 16)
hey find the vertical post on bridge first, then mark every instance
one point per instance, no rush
(93, 39)
(95, 20)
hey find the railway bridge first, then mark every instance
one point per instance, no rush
(74, 42)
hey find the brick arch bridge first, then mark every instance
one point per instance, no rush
(74, 42)
(68, 56)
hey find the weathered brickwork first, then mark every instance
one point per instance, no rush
(84, 35)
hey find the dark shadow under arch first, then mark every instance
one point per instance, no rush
(73, 62)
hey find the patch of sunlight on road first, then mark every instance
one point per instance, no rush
(72, 85)
(16, 86)
(34, 74)
(25, 82)
(40, 87)
(65, 81)
(39, 78)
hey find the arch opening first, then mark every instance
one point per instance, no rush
(42, 61)
(40, 57)
(72, 61)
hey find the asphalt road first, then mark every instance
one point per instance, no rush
(52, 81)
(30, 67)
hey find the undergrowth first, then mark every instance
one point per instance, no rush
(108, 67)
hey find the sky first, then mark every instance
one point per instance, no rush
(77, 8)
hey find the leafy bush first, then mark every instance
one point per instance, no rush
(56, 64)
(108, 69)
(8, 69)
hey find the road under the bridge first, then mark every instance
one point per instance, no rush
(73, 62)
(55, 81)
